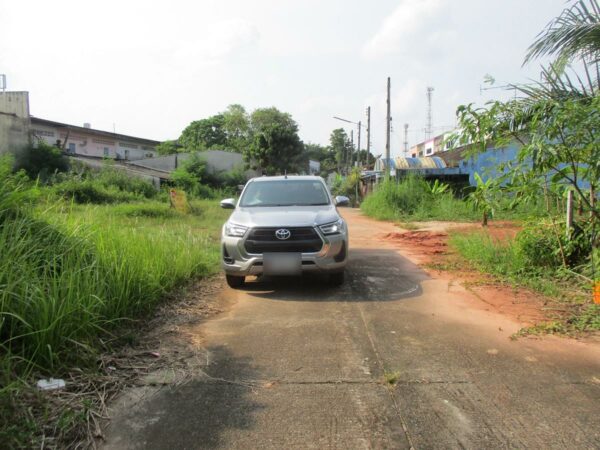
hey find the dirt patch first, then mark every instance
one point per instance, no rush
(429, 247)
(427, 242)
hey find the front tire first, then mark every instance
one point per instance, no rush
(235, 282)
(336, 279)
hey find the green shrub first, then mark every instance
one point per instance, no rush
(115, 178)
(540, 246)
(151, 210)
(42, 161)
(92, 191)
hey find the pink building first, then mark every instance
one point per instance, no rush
(85, 141)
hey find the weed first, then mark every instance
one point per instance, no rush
(391, 378)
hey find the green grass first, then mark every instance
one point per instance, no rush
(411, 199)
(72, 275)
(75, 274)
(515, 262)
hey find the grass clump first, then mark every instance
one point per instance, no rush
(538, 258)
(391, 378)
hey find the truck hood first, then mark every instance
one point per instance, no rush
(289, 216)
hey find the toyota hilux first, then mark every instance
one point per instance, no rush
(284, 225)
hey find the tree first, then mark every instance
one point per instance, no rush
(205, 134)
(574, 34)
(556, 120)
(169, 147)
(341, 147)
(324, 155)
(236, 124)
(275, 146)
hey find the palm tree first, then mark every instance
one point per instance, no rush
(575, 34)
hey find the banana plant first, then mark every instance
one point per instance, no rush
(484, 198)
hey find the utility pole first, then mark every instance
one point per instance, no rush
(405, 139)
(358, 145)
(351, 151)
(388, 122)
(368, 133)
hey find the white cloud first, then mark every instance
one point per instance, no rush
(217, 42)
(399, 31)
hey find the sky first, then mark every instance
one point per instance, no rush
(149, 68)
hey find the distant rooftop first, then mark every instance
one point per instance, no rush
(51, 123)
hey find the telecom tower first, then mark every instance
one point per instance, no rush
(405, 139)
(429, 126)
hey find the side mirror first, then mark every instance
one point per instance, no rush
(228, 203)
(341, 200)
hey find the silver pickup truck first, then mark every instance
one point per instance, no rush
(284, 225)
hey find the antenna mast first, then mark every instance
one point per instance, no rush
(405, 139)
(429, 126)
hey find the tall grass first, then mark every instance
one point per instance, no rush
(70, 273)
(413, 199)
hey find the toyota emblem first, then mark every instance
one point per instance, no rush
(282, 234)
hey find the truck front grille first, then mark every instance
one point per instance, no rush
(301, 240)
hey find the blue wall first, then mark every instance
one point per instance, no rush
(486, 163)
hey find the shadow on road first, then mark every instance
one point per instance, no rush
(372, 275)
(197, 414)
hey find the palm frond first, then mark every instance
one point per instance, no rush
(574, 34)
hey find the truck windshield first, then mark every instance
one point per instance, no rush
(285, 193)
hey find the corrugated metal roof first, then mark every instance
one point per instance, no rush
(427, 162)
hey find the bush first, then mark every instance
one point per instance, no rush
(92, 191)
(540, 246)
(42, 161)
(414, 198)
(112, 177)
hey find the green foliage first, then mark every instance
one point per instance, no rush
(485, 197)
(194, 177)
(169, 148)
(348, 186)
(205, 134)
(190, 173)
(236, 124)
(275, 146)
(341, 147)
(42, 161)
(324, 155)
(74, 272)
(102, 187)
(413, 198)
(573, 34)
(534, 260)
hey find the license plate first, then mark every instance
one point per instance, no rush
(282, 263)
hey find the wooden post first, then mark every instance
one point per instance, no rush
(569, 213)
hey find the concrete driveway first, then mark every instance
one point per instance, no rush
(296, 364)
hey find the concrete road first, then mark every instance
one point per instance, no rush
(295, 364)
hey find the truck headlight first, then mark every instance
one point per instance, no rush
(235, 230)
(333, 228)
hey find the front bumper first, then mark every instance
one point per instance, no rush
(332, 257)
